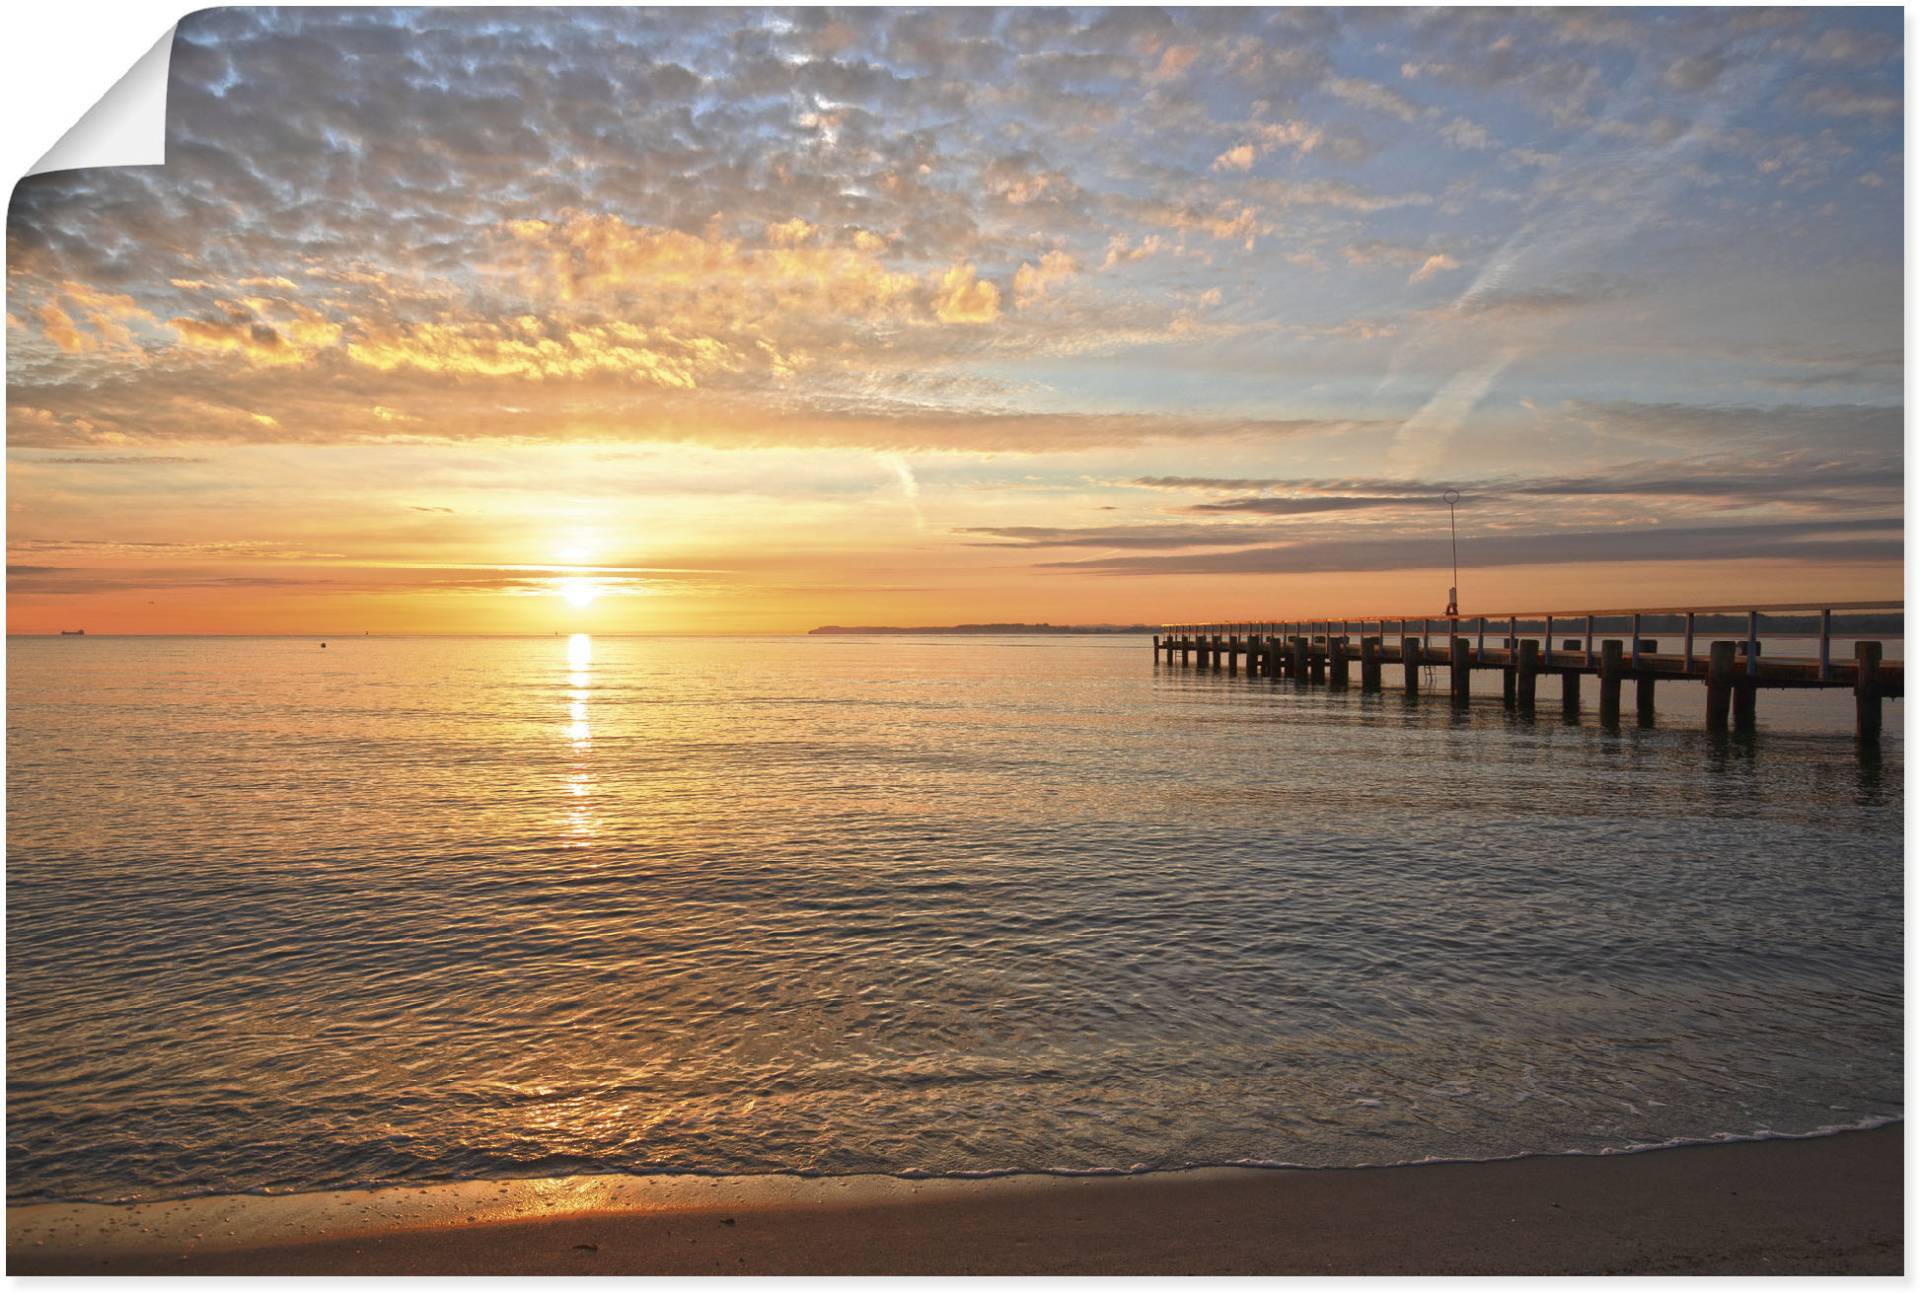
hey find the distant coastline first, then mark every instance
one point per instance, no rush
(987, 629)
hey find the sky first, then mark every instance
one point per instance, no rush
(715, 321)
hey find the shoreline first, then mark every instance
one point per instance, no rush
(1814, 1204)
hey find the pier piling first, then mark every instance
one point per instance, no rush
(1570, 683)
(1610, 653)
(1410, 664)
(1462, 671)
(1369, 664)
(1866, 690)
(1337, 664)
(1527, 674)
(1719, 684)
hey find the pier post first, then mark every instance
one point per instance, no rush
(1866, 690)
(1410, 664)
(1610, 651)
(1745, 692)
(1299, 670)
(1369, 663)
(1507, 674)
(1719, 684)
(1527, 673)
(1316, 664)
(1233, 653)
(1213, 651)
(1337, 663)
(1462, 663)
(1570, 684)
(1643, 685)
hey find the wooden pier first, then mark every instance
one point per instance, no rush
(1734, 669)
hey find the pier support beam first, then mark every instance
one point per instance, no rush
(1719, 685)
(1643, 700)
(1866, 690)
(1410, 664)
(1299, 670)
(1610, 653)
(1337, 664)
(1369, 664)
(1570, 684)
(1745, 693)
(1461, 663)
(1527, 674)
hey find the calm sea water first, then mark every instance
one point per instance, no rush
(287, 918)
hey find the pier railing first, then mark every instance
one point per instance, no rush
(1318, 648)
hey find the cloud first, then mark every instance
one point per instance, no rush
(536, 350)
(1866, 540)
(106, 317)
(1380, 252)
(120, 460)
(1844, 101)
(1464, 134)
(1034, 280)
(1238, 158)
(964, 299)
(1155, 537)
(879, 228)
(1375, 98)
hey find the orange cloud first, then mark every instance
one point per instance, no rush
(251, 332)
(1032, 282)
(585, 257)
(539, 350)
(106, 315)
(963, 298)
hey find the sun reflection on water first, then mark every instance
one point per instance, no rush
(582, 823)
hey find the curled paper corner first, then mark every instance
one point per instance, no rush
(127, 127)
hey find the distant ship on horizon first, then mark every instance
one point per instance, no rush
(73, 633)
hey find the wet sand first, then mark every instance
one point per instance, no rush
(1825, 1205)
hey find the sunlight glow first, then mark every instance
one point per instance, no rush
(577, 591)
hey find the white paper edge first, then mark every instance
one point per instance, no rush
(127, 127)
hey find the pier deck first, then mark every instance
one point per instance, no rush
(1524, 645)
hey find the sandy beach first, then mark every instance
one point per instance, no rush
(1816, 1206)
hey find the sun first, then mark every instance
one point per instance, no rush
(577, 591)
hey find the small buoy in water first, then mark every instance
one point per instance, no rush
(323, 646)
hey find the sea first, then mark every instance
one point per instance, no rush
(289, 917)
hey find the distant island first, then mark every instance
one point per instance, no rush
(987, 629)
